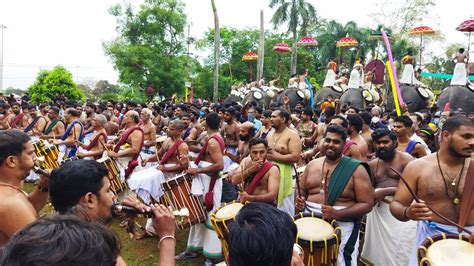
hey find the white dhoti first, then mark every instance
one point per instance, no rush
(330, 78)
(408, 75)
(122, 164)
(87, 138)
(459, 75)
(202, 237)
(227, 161)
(426, 229)
(346, 230)
(147, 185)
(388, 241)
(63, 152)
(354, 79)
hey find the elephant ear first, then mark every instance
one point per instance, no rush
(257, 95)
(367, 95)
(422, 92)
(470, 86)
(270, 93)
(337, 88)
(300, 94)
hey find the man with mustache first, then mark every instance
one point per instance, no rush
(443, 181)
(246, 133)
(387, 240)
(339, 188)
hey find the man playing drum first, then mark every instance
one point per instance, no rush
(55, 127)
(338, 187)
(20, 120)
(37, 123)
(387, 240)
(149, 134)
(128, 147)
(261, 177)
(207, 183)
(285, 150)
(439, 180)
(95, 148)
(72, 135)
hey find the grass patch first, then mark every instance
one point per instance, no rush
(137, 252)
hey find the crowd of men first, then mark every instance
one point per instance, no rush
(332, 161)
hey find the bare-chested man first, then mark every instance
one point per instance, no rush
(5, 116)
(230, 131)
(146, 183)
(90, 113)
(246, 133)
(186, 119)
(319, 133)
(72, 135)
(367, 133)
(17, 209)
(149, 134)
(95, 148)
(19, 120)
(127, 149)
(37, 123)
(284, 150)
(354, 127)
(387, 240)
(264, 189)
(439, 181)
(346, 194)
(55, 127)
(201, 238)
(306, 127)
(402, 128)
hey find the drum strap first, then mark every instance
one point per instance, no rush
(96, 139)
(171, 151)
(258, 177)
(32, 124)
(467, 201)
(18, 118)
(133, 162)
(209, 197)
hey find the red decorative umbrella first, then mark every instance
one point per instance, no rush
(421, 31)
(346, 42)
(281, 48)
(308, 42)
(250, 56)
(467, 26)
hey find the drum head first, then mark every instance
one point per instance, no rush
(228, 211)
(422, 92)
(450, 252)
(367, 95)
(314, 229)
(300, 94)
(337, 88)
(257, 95)
(161, 139)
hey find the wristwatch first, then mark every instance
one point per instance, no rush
(43, 189)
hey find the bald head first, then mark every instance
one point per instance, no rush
(133, 116)
(246, 131)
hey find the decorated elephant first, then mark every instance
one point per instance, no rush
(261, 97)
(415, 96)
(324, 92)
(460, 98)
(295, 95)
(354, 97)
(232, 98)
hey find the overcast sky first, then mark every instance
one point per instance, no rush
(43, 33)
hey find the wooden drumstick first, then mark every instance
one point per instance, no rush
(325, 187)
(101, 143)
(418, 200)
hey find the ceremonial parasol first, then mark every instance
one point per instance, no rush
(281, 48)
(345, 43)
(420, 31)
(308, 42)
(467, 26)
(250, 56)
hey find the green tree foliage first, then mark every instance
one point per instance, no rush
(149, 49)
(299, 14)
(53, 83)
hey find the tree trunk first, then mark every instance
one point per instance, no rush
(261, 48)
(294, 54)
(217, 42)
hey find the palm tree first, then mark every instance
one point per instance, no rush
(298, 14)
(217, 45)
